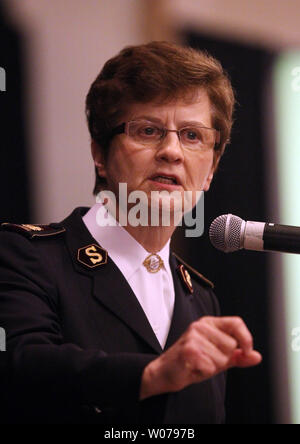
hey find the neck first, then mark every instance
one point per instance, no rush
(153, 239)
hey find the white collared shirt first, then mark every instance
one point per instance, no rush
(154, 291)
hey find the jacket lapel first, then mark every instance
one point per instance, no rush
(110, 287)
(183, 307)
(113, 291)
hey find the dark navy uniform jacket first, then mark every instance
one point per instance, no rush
(78, 340)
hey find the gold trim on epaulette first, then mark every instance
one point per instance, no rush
(45, 233)
(30, 227)
(31, 231)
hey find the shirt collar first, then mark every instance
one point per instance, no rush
(123, 249)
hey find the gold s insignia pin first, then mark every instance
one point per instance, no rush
(185, 277)
(92, 256)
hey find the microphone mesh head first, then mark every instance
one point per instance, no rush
(225, 233)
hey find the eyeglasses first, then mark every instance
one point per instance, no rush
(148, 133)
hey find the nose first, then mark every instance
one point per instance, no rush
(170, 149)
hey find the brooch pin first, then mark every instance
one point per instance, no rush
(153, 263)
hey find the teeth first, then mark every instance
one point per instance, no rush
(166, 180)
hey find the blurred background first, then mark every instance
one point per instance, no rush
(51, 51)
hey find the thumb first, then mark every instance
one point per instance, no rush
(240, 359)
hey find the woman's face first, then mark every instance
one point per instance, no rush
(142, 167)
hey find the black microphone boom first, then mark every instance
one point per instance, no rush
(230, 233)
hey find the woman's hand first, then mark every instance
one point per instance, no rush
(208, 347)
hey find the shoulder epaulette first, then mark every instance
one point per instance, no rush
(32, 231)
(203, 279)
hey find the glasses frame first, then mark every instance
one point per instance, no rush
(123, 128)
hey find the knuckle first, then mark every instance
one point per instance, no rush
(208, 370)
(206, 319)
(188, 350)
(238, 321)
(195, 324)
(204, 323)
(232, 344)
(191, 328)
(205, 331)
(224, 361)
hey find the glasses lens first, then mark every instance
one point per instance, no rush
(144, 132)
(198, 137)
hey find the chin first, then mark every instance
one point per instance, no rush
(168, 209)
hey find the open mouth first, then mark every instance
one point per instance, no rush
(165, 179)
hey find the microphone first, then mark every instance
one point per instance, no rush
(230, 233)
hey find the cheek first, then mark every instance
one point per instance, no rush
(126, 167)
(200, 169)
(135, 163)
(117, 165)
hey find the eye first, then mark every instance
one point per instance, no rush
(147, 130)
(191, 135)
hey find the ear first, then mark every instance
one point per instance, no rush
(98, 157)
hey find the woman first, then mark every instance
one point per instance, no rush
(103, 323)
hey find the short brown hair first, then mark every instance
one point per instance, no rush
(156, 70)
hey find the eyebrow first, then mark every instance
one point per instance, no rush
(158, 120)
